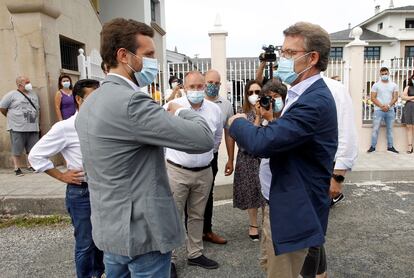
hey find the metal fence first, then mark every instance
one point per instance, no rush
(400, 71)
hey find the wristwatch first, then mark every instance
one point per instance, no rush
(338, 178)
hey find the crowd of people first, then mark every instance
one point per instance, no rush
(140, 176)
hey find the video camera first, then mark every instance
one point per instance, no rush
(265, 102)
(269, 54)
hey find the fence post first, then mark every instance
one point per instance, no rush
(82, 64)
(354, 81)
(218, 53)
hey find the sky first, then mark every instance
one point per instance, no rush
(253, 23)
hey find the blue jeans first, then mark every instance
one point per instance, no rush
(152, 264)
(389, 118)
(88, 258)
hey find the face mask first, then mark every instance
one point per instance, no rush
(195, 96)
(286, 70)
(212, 90)
(148, 72)
(384, 77)
(66, 84)
(278, 105)
(28, 87)
(174, 84)
(253, 99)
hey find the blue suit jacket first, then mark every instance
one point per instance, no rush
(301, 146)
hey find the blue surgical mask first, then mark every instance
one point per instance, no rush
(195, 97)
(384, 77)
(148, 72)
(278, 105)
(286, 70)
(66, 84)
(212, 90)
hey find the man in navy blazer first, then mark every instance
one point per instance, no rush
(301, 146)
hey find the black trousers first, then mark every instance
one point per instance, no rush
(315, 262)
(208, 212)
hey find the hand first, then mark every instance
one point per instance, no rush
(238, 115)
(72, 176)
(228, 168)
(173, 107)
(385, 108)
(267, 114)
(257, 109)
(177, 91)
(335, 189)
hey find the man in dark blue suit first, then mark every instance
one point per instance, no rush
(301, 146)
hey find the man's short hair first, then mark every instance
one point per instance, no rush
(384, 69)
(275, 86)
(121, 33)
(315, 39)
(79, 87)
(193, 72)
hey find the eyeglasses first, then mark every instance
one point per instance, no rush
(251, 92)
(289, 53)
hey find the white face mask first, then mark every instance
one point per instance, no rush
(66, 84)
(174, 84)
(253, 99)
(28, 87)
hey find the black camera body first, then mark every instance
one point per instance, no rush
(269, 54)
(180, 81)
(265, 102)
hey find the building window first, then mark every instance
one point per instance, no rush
(409, 23)
(409, 51)
(372, 53)
(69, 51)
(155, 6)
(380, 26)
(336, 53)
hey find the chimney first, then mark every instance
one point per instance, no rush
(391, 4)
(377, 9)
(349, 26)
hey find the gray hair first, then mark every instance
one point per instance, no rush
(315, 39)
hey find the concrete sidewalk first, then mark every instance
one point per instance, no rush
(41, 194)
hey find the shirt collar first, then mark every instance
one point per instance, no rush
(302, 86)
(132, 84)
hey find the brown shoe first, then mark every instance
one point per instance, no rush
(214, 238)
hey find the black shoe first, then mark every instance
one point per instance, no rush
(18, 172)
(392, 150)
(338, 198)
(204, 262)
(371, 149)
(173, 272)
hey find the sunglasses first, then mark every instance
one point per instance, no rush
(251, 92)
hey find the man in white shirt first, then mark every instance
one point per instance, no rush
(62, 137)
(190, 175)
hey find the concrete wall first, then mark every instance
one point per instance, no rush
(29, 36)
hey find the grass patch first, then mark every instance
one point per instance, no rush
(29, 221)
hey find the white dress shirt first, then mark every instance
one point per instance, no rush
(212, 114)
(61, 138)
(347, 140)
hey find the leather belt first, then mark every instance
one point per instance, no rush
(195, 169)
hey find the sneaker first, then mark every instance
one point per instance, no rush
(31, 170)
(204, 262)
(338, 198)
(371, 149)
(392, 150)
(18, 172)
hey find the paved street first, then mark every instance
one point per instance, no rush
(371, 234)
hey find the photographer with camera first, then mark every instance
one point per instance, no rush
(266, 58)
(176, 90)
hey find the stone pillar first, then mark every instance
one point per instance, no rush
(218, 53)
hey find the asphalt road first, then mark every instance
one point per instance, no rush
(370, 234)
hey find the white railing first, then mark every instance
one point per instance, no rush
(400, 70)
(336, 68)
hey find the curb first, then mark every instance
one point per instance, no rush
(56, 204)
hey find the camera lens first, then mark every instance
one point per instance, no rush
(265, 102)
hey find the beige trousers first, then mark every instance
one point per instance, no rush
(193, 189)
(286, 265)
